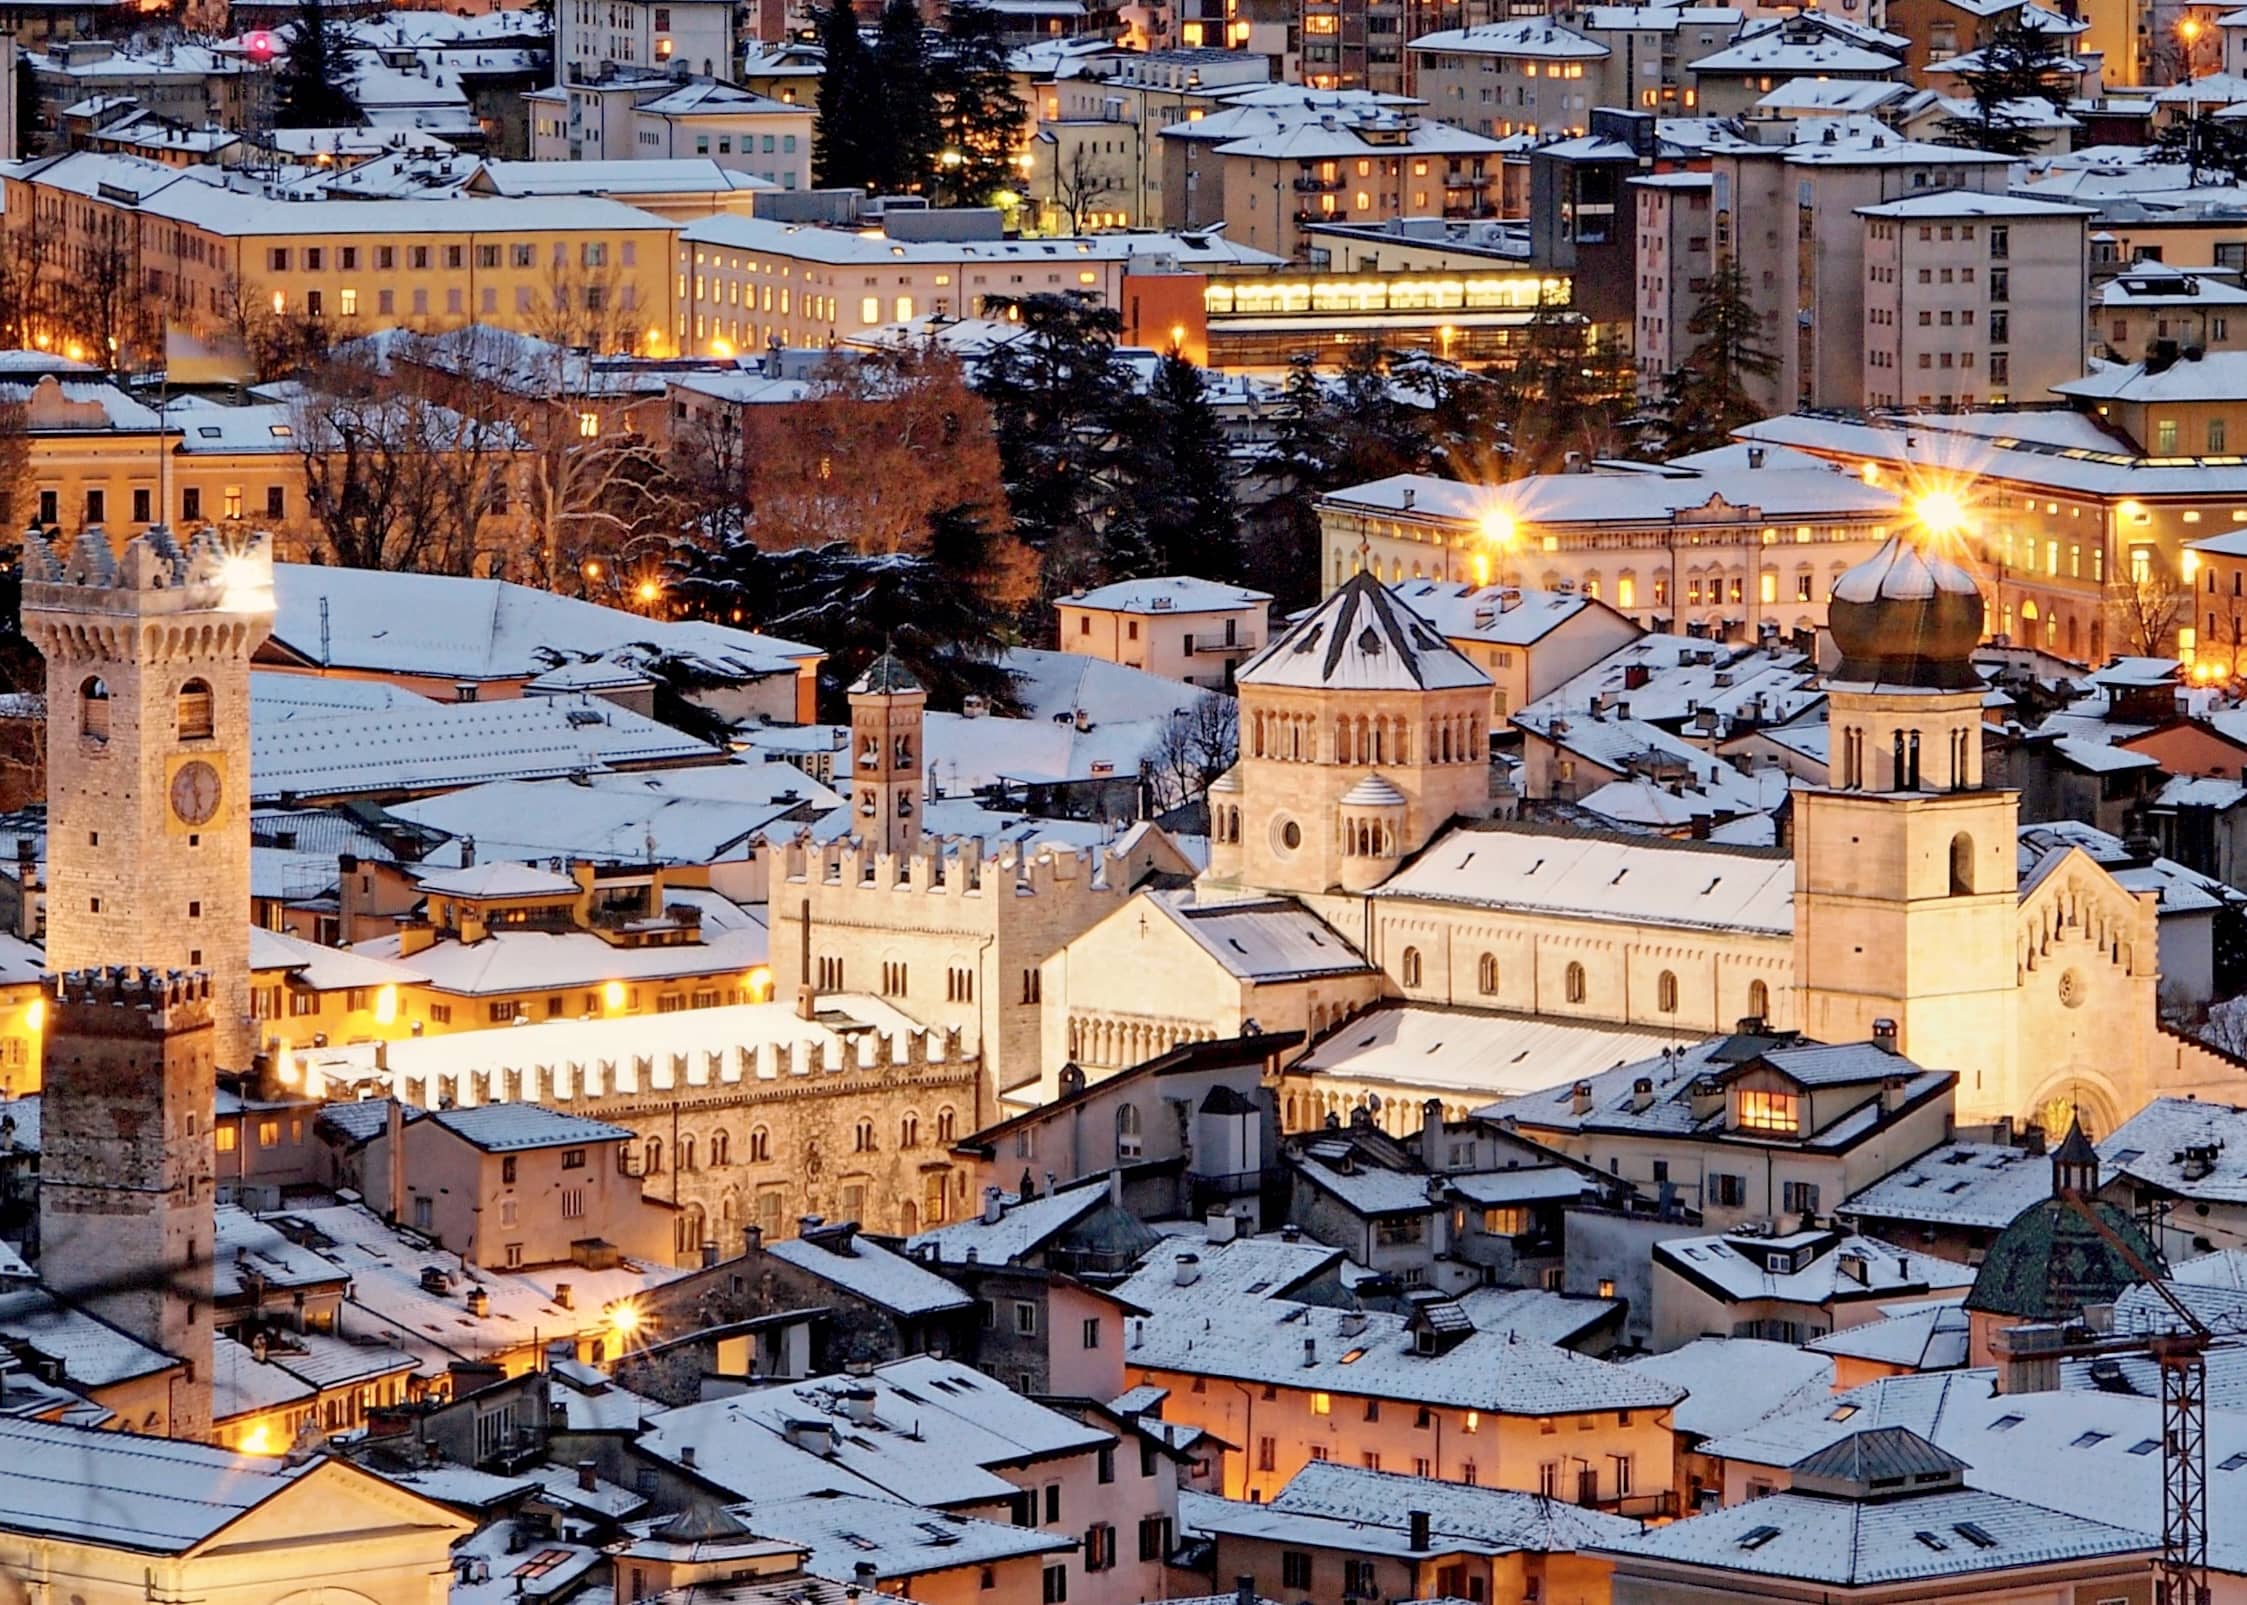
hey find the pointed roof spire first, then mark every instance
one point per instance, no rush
(2075, 1163)
(1362, 638)
(887, 677)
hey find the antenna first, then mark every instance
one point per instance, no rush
(323, 632)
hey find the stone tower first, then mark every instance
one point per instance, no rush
(148, 756)
(886, 705)
(1906, 867)
(1363, 733)
(125, 1186)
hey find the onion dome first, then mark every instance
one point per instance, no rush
(1904, 617)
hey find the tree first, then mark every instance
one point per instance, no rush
(1176, 514)
(2146, 607)
(981, 117)
(2203, 143)
(2022, 64)
(1058, 399)
(1198, 743)
(315, 81)
(1081, 179)
(1714, 391)
(905, 135)
(842, 155)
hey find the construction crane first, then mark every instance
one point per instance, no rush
(2181, 1357)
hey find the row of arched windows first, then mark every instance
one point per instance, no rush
(1367, 738)
(1575, 984)
(195, 715)
(720, 1144)
(1369, 838)
(1225, 823)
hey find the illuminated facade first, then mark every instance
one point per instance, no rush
(1477, 317)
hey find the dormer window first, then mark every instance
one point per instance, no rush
(1769, 1111)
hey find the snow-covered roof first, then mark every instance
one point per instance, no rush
(1025, 1226)
(1166, 594)
(1970, 203)
(1740, 1268)
(1264, 942)
(1491, 615)
(1371, 1354)
(444, 745)
(1926, 1337)
(469, 629)
(855, 248)
(1585, 874)
(1538, 38)
(91, 1352)
(839, 1531)
(505, 1128)
(2184, 1147)
(1478, 1053)
(499, 879)
(1732, 1383)
(1236, 1271)
(1971, 1184)
(1049, 685)
(247, 1247)
(510, 961)
(880, 1275)
(1794, 495)
(1772, 54)
(2209, 376)
(1354, 1510)
(1361, 639)
(1866, 1544)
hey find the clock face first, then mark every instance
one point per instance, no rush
(195, 790)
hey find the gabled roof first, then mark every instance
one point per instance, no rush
(1362, 639)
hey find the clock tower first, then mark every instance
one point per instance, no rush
(148, 756)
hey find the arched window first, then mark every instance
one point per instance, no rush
(686, 1153)
(689, 1239)
(1759, 1000)
(195, 711)
(1411, 966)
(654, 1163)
(909, 1131)
(760, 1145)
(1128, 1142)
(1572, 983)
(1962, 865)
(1486, 975)
(944, 1122)
(93, 711)
(862, 1137)
(721, 1148)
(1665, 992)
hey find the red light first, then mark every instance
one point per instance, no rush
(260, 46)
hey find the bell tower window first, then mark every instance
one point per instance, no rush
(195, 723)
(93, 712)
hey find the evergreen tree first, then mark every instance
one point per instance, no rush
(842, 154)
(1710, 395)
(2020, 65)
(2205, 144)
(1180, 476)
(981, 117)
(1059, 404)
(314, 90)
(904, 157)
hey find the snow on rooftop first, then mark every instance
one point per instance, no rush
(1929, 1337)
(878, 1274)
(1362, 639)
(1966, 1184)
(1556, 871)
(1352, 1509)
(1472, 1052)
(501, 1128)
(1171, 593)
(1265, 941)
(1732, 1383)
(1023, 1228)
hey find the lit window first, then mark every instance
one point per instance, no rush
(1322, 1404)
(1769, 1111)
(588, 424)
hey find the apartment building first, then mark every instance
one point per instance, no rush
(1543, 75)
(1787, 216)
(647, 117)
(689, 36)
(215, 262)
(1179, 627)
(1272, 184)
(1963, 294)
(1675, 224)
(1097, 144)
(745, 282)
(2151, 302)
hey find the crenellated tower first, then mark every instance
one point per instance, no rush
(886, 705)
(148, 755)
(126, 1206)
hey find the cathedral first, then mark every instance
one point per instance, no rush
(1353, 861)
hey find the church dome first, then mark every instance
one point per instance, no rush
(2051, 1263)
(1905, 617)
(1374, 791)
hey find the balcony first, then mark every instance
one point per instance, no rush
(1312, 184)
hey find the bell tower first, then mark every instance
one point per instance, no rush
(148, 756)
(886, 705)
(1906, 872)
(126, 1222)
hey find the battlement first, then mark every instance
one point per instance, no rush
(153, 575)
(953, 866)
(133, 998)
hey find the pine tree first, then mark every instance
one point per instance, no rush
(2020, 64)
(1709, 396)
(841, 157)
(1181, 473)
(905, 108)
(2203, 143)
(316, 77)
(982, 118)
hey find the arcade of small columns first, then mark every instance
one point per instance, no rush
(1364, 739)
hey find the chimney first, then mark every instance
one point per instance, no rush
(585, 1476)
(1221, 1226)
(1755, 456)
(993, 1209)
(1310, 1352)
(1642, 1095)
(394, 1132)
(807, 1002)
(752, 1239)
(1418, 1540)
(686, 1456)
(565, 1295)
(1580, 1098)
(479, 1302)
(1291, 1233)
(864, 1574)
(1884, 1034)
(2028, 1357)
(860, 1403)
(1244, 1591)
(1187, 1271)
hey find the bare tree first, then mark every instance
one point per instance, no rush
(1198, 743)
(1080, 180)
(2147, 606)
